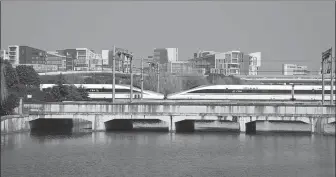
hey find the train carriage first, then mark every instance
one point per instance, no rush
(104, 91)
(253, 92)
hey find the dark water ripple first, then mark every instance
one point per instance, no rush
(167, 155)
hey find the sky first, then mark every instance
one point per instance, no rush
(284, 32)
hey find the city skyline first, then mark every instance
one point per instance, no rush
(282, 31)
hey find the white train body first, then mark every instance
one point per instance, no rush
(212, 92)
(253, 92)
(104, 91)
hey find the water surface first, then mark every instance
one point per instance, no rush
(166, 155)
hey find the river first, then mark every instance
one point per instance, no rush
(147, 154)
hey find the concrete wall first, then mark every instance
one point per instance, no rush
(272, 126)
(15, 123)
(216, 109)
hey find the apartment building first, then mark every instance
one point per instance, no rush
(227, 63)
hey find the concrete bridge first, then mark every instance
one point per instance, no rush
(243, 117)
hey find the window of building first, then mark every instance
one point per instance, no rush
(234, 55)
(234, 60)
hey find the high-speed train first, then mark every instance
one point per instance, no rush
(104, 91)
(253, 92)
(213, 92)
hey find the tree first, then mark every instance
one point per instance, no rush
(8, 106)
(169, 83)
(28, 76)
(61, 93)
(9, 82)
(224, 80)
(4, 91)
(60, 80)
(194, 81)
(11, 76)
(83, 93)
(91, 80)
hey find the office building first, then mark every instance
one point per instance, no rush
(165, 55)
(84, 59)
(80, 59)
(70, 57)
(55, 59)
(293, 69)
(30, 55)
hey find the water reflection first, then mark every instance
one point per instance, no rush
(165, 154)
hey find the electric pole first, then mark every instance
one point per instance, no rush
(325, 56)
(142, 78)
(158, 77)
(131, 73)
(331, 81)
(113, 74)
(322, 81)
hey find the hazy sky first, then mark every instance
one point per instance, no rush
(285, 32)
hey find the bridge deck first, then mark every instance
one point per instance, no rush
(196, 102)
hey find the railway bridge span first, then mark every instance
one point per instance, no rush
(178, 116)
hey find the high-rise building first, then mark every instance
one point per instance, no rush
(13, 54)
(293, 69)
(254, 63)
(4, 54)
(165, 55)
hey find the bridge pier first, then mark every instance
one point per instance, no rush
(242, 122)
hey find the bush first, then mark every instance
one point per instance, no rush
(7, 107)
(28, 76)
